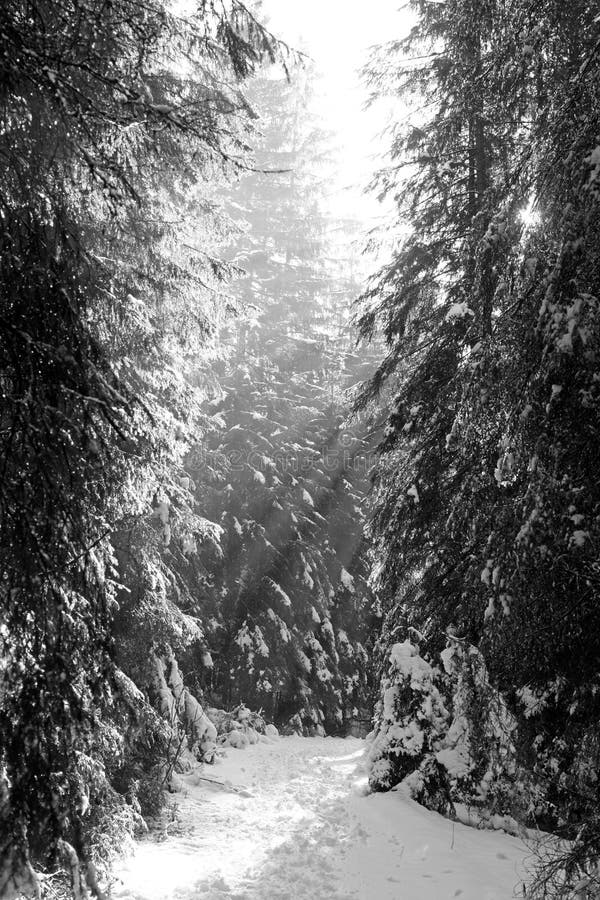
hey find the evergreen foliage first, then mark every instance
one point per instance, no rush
(109, 116)
(181, 493)
(486, 505)
(281, 475)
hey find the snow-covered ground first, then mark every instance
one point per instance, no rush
(293, 823)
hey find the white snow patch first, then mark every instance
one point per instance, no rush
(578, 538)
(414, 493)
(458, 311)
(593, 161)
(347, 580)
(281, 594)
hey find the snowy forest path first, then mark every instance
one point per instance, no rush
(290, 819)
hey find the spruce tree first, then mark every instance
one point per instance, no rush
(485, 492)
(95, 120)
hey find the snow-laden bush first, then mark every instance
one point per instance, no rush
(194, 734)
(447, 736)
(412, 720)
(478, 751)
(240, 727)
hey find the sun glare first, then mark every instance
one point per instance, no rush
(530, 214)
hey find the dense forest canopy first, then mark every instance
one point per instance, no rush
(197, 541)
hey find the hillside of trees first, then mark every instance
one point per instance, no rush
(197, 538)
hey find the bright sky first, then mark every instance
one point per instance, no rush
(338, 34)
